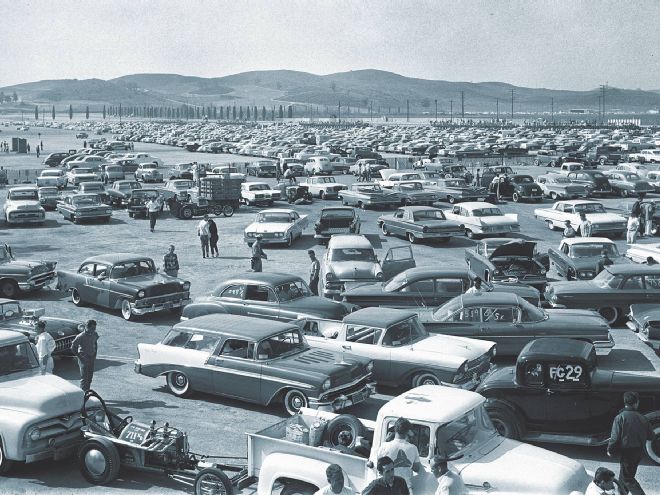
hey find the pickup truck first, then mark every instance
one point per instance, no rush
(445, 420)
(324, 187)
(368, 195)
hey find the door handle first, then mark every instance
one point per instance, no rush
(346, 347)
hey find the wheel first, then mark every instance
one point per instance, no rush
(516, 197)
(411, 238)
(322, 195)
(343, 422)
(75, 297)
(126, 312)
(76, 220)
(451, 199)
(469, 234)
(298, 488)
(294, 400)
(178, 384)
(537, 162)
(361, 205)
(425, 378)
(98, 461)
(227, 210)
(624, 193)
(186, 212)
(212, 481)
(5, 464)
(9, 289)
(553, 196)
(652, 446)
(611, 315)
(289, 240)
(505, 422)
(384, 229)
(131, 214)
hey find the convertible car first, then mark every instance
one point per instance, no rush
(512, 322)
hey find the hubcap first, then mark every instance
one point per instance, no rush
(209, 484)
(95, 462)
(180, 381)
(297, 402)
(653, 445)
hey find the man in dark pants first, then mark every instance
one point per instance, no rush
(84, 347)
(257, 255)
(153, 208)
(314, 272)
(630, 431)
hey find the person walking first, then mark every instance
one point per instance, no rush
(633, 229)
(85, 347)
(569, 231)
(213, 238)
(45, 348)
(203, 233)
(84, 144)
(449, 481)
(28, 148)
(388, 483)
(153, 208)
(37, 151)
(314, 271)
(585, 225)
(404, 452)
(171, 262)
(603, 261)
(335, 477)
(648, 211)
(630, 432)
(257, 255)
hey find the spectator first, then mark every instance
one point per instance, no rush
(28, 148)
(604, 483)
(449, 482)
(388, 483)
(476, 287)
(404, 452)
(171, 262)
(213, 238)
(45, 347)
(585, 225)
(633, 229)
(648, 211)
(203, 233)
(37, 151)
(85, 347)
(603, 261)
(84, 144)
(257, 255)
(335, 477)
(153, 209)
(315, 268)
(569, 231)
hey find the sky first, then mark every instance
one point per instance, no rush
(562, 44)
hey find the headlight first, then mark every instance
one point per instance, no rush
(586, 274)
(370, 366)
(380, 276)
(326, 384)
(330, 276)
(34, 434)
(186, 285)
(425, 229)
(99, 416)
(493, 352)
(140, 294)
(250, 234)
(279, 234)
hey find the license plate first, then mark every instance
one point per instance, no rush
(358, 397)
(335, 230)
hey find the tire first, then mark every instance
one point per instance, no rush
(652, 446)
(5, 464)
(411, 238)
(425, 378)
(228, 210)
(451, 200)
(178, 384)
(470, 234)
(384, 229)
(289, 240)
(505, 422)
(321, 195)
(186, 213)
(294, 400)
(212, 481)
(126, 312)
(98, 461)
(343, 422)
(298, 488)
(611, 315)
(624, 193)
(9, 289)
(130, 214)
(75, 297)
(537, 162)
(550, 225)
(516, 197)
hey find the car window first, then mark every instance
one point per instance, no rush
(652, 282)
(133, 269)
(362, 334)
(467, 314)
(449, 285)
(419, 286)
(102, 270)
(202, 342)
(15, 358)
(237, 348)
(500, 315)
(398, 214)
(634, 283)
(232, 292)
(404, 333)
(260, 293)
(534, 374)
(288, 342)
(419, 435)
(176, 338)
(87, 269)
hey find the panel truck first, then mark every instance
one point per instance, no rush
(445, 420)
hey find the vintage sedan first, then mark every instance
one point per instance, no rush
(558, 186)
(389, 336)
(80, 174)
(625, 208)
(79, 207)
(628, 183)
(49, 197)
(127, 282)
(52, 177)
(391, 177)
(511, 322)
(275, 296)
(454, 190)
(611, 292)
(414, 193)
(122, 190)
(427, 287)
(417, 223)
(148, 172)
(336, 220)
(174, 187)
(264, 362)
(137, 203)
(644, 319)
(323, 187)
(22, 206)
(276, 226)
(640, 253)
(368, 195)
(258, 193)
(263, 168)
(513, 260)
(577, 257)
(18, 275)
(111, 172)
(481, 218)
(517, 187)
(557, 393)
(593, 180)
(602, 222)
(97, 188)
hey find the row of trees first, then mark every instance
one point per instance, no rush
(8, 98)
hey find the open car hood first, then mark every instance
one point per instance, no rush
(514, 248)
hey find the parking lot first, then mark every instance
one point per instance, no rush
(216, 426)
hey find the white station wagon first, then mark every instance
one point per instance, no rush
(482, 218)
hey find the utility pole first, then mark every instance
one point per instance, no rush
(407, 110)
(512, 104)
(497, 106)
(463, 104)
(339, 112)
(603, 88)
(599, 114)
(451, 111)
(552, 110)
(436, 111)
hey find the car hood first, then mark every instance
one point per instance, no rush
(315, 365)
(355, 269)
(263, 228)
(514, 248)
(34, 393)
(57, 327)
(147, 280)
(318, 306)
(34, 203)
(25, 265)
(456, 347)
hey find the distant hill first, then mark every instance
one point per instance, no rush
(383, 91)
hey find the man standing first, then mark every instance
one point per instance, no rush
(213, 238)
(203, 232)
(569, 231)
(153, 208)
(476, 287)
(335, 477)
(449, 482)
(257, 255)
(314, 272)
(45, 347)
(585, 225)
(633, 229)
(603, 261)
(404, 453)
(648, 210)
(630, 432)
(85, 347)
(171, 262)
(388, 483)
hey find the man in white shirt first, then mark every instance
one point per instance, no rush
(604, 483)
(153, 208)
(203, 232)
(476, 287)
(404, 454)
(335, 477)
(449, 482)
(45, 348)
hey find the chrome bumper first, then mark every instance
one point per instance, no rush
(159, 307)
(344, 401)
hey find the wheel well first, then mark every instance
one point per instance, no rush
(496, 403)
(285, 481)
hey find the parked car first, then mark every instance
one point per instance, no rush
(517, 187)
(144, 158)
(319, 165)
(427, 287)
(417, 223)
(175, 187)
(275, 296)
(336, 220)
(48, 197)
(639, 253)
(489, 173)
(628, 183)
(52, 177)
(252, 360)
(128, 166)
(372, 164)
(634, 167)
(18, 275)
(577, 257)
(258, 193)
(481, 218)
(602, 222)
(127, 282)
(276, 226)
(367, 195)
(80, 174)
(456, 189)
(414, 193)
(653, 178)
(511, 322)
(557, 393)
(595, 182)
(557, 186)
(54, 159)
(644, 319)
(324, 187)
(137, 203)
(389, 336)
(97, 188)
(342, 164)
(390, 177)
(22, 206)
(122, 190)
(611, 292)
(79, 207)
(111, 173)
(648, 156)
(261, 169)
(148, 172)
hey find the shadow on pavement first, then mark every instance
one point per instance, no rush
(122, 407)
(44, 295)
(67, 368)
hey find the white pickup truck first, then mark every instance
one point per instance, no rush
(444, 419)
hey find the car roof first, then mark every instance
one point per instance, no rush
(270, 278)
(278, 210)
(556, 348)
(473, 205)
(425, 402)
(113, 258)
(490, 298)
(349, 241)
(586, 240)
(377, 317)
(579, 202)
(23, 188)
(422, 272)
(633, 269)
(418, 208)
(235, 326)
(5, 300)
(9, 337)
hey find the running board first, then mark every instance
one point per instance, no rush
(583, 440)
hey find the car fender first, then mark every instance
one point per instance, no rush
(12, 429)
(200, 309)
(292, 467)
(492, 402)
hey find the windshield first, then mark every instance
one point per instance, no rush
(49, 191)
(114, 169)
(431, 175)
(455, 183)
(404, 333)
(632, 177)
(429, 215)
(607, 280)
(17, 358)
(523, 179)
(597, 175)
(591, 250)
(486, 212)
(145, 193)
(50, 173)
(448, 309)
(589, 208)
(133, 268)
(78, 171)
(291, 291)
(182, 186)
(369, 189)
(411, 186)
(265, 217)
(562, 180)
(150, 166)
(282, 344)
(11, 310)
(4, 253)
(259, 187)
(129, 186)
(471, 429)
(337, 213)
(91, 187)
(84, 200)
(326, 180)
(353, 254)
(21, 195)
(395, 282)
